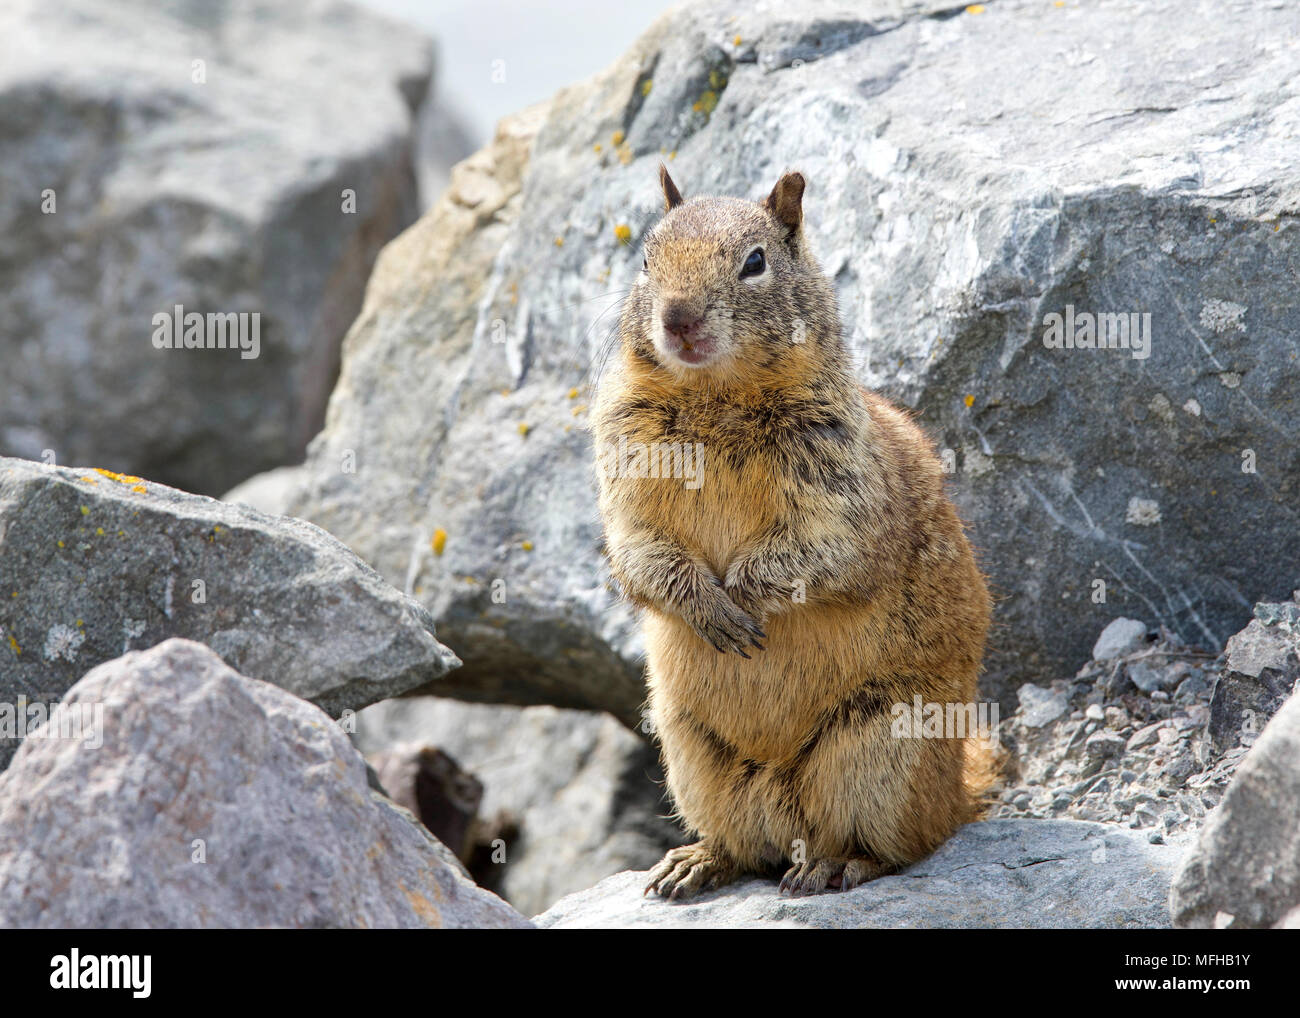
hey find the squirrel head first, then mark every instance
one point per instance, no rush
(729, 288)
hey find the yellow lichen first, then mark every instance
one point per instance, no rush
(706, 103)
(969, 401)
(975, 9)
(597, 148)
(735, 41)
(624, 233)
(14, 644)
(646, 86)
(99, 531)
(559, 242)
(578, 409)
(439, 541)
(573, 393)
(85, 510)
(524, 428)
(617, 138)
(120, 478)
(527, 545)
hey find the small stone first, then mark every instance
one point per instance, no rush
(1103, 744)
(1127, 776)
(1121, 637)
(1095, 712)
(1039, 706)
(1151, 676)
(1156, 838)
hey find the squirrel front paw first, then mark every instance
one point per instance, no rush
(720, 622)
(752, 592)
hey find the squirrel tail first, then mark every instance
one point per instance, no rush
(982, 774)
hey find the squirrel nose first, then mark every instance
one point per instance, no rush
(681, 321)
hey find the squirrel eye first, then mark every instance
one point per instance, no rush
(645, 264)
(754, 264)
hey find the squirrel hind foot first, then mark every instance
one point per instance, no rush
(690, 870)
(838, 873)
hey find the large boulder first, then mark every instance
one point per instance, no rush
(200, 798)
(1244, 871)
(1049, 874)
(204, 156)
(957, 211)
(569, 797)
(94, 564)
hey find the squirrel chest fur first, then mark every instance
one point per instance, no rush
(800, 567)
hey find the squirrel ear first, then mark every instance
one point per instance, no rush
(672, 196)
(786, 201)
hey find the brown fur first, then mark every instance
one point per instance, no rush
(774, 712)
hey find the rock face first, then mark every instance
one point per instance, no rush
(213, 801)
(159, 155)
(95, 564)
(1002, 873)
(1244, 871)
(572, 796)
(956, 211)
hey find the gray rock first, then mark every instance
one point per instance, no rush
(1145, 736)
(585, 794)
(1103, 745)
(1259, 647)
(223, 195)
(1151, 675)
(1001, 873)
(483, 318)
(94, 565)
(1262, 669)
(207, 799)
(1119, 639)
(1246, 864)
(1039, 706)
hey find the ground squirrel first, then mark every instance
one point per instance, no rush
(813, 577)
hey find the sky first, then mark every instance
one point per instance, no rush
(541, 48)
